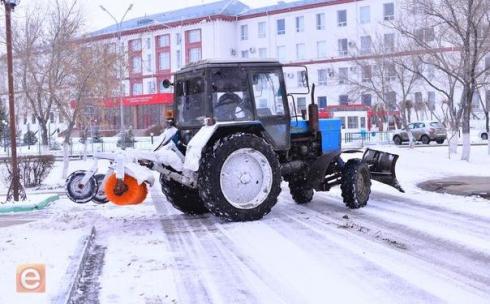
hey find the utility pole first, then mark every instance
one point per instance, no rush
(121, 70)
(15, 186)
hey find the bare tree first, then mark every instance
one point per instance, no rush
(452, 35)
(383, 73)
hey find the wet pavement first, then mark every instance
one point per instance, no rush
(460, 185)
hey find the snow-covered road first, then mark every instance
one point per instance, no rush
(417, 247)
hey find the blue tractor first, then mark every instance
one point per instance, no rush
(233, 139)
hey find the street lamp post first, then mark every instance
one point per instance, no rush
(15, 187)
(121, 56)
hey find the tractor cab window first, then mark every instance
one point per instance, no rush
(267, 94)
(190, 101)
(230, 95)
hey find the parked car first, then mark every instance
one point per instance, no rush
(422, 131)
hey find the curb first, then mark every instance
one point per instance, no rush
(43, 204)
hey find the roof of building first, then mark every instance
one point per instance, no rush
(224, 7)
(232, 8)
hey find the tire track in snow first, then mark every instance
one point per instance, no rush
(441, 283)
(466, 262)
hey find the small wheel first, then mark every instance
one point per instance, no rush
(425, 139)
(300, 191)
(239, 178)
(484, 136)
(100, 198)
(76, 191)
(182, 198)
(440, 141)
(397, 140)
(355, 184)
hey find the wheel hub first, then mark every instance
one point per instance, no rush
(246, 178)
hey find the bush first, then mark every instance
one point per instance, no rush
(33, 169)
(30, 138)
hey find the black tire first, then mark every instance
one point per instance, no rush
(300, 191)
(355, 184)
(440, 141)
(210, 173)
(77, 194)
(182, 198)
(397, 140)
(484, 136)
(425, 139)
(100, 197)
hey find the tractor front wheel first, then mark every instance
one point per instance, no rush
(239, 178)
(182, 198)
(355, 184)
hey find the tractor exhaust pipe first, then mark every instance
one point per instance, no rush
(313, 116)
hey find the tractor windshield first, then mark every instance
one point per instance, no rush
(190, 99)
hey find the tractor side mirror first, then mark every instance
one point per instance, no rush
(167, 84)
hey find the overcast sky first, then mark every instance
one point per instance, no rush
(97, 19)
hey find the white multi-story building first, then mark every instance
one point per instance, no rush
(319, 34)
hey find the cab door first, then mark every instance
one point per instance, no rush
(271, 108)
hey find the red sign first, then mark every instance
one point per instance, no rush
(141, 100)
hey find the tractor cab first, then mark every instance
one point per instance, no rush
(244, 94)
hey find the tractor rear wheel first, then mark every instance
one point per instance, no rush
(100, 198)
(300, 191)
(182, 197)
(355, 184)
(239, 178)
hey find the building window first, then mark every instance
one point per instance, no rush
(178, 58)
(136, 65)
(365, 15)
(343, 75)
(366, 99)
(343, 51)
(262, 29)
(390, 100)
(149, 63)
(300, 24)
(322, 102)
(301, 104)
(194, 36)
(363, 122)
(262, 53)
(148, 43)
(320, 21)
(344, 99)
(366, 73)
(322, 77)
(431, 100)
(389, 42)
(352, 122)
(164, 41)
(245, 54)
(135, 45)
(389, 11)
(281, 26)
(281, 53)
(195, 54)
(178, 38)
(390, 70)
(342, 18)
(244, 32)
(342, 121)
(302, 79)
(150, 87)
(321, 49)
(51, 117)
(366, 44)
(164, 61)
(137, 88)
(61, 119)
(425, 34)
(300, 51)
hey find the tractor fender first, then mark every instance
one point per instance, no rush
(196, 145)
(319, 167)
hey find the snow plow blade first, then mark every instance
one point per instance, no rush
(382, 167)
